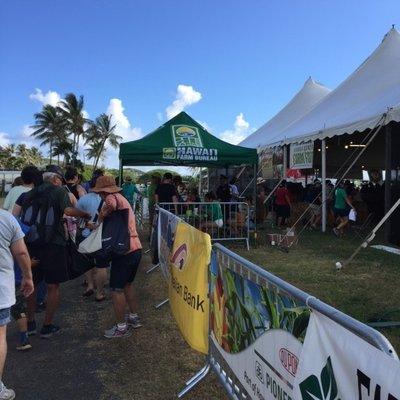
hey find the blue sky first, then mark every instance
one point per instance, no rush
(238, 62)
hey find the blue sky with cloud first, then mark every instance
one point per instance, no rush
(231, 64)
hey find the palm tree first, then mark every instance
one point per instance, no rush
(99, 133)
(50, 127)
(71, 108)
(63, 147)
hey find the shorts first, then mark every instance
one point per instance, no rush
(53, 267)
(5, 316)
(123, 270)
(316, 209)
(282, 211)
(219, 223)
(341, 212)
(18, 310)
(101, 263)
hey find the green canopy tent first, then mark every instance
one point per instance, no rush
(182, 141)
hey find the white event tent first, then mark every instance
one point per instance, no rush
(304, 100)
(356, 106)
(357, 103)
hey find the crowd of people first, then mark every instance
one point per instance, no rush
(344, 201)
(45, 214)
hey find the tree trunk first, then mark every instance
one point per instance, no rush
(51, 151)
(99, 154)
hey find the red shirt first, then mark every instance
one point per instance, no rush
(117, 201)
(281, 194)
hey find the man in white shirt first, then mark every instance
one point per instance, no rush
(11, 245)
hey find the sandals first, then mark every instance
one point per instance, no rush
(100, 299)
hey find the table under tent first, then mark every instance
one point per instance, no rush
(182, 141)
(353, 128)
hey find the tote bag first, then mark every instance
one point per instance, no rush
(93, 243)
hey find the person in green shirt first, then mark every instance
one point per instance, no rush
(214, 218)
(341, 209)
(130, 191)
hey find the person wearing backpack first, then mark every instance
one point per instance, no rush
(123, 267)
(43, 209)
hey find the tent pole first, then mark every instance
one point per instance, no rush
(200, 181)
(388, 177)
(120, 172)
(255, 204)
(323, 178)
(284, 160)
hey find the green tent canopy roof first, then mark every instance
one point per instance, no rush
(183, 141)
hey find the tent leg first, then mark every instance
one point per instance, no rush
(255, 206)
(388, 173)
(323, 178)
(120, 173)
(284, 161)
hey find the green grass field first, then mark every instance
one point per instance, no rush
(368, 288)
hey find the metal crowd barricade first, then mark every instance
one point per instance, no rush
(223, 221)
(226, 259)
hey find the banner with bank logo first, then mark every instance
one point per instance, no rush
(258, 331)
(188, 287)
(337, 364)
(301, 155)
(167, 223)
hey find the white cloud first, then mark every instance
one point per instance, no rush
(50, 97)
(241, 128)
(4, 139)
(185, 96)
(118, 117)
(26, 131)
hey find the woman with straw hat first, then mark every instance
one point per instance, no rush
(123, 268)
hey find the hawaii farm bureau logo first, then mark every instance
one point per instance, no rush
(188, 146)
(185, 136)
(322, 388)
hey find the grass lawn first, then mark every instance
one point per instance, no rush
(368, 288)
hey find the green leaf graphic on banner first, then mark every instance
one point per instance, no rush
(326, 389)
(328, 381)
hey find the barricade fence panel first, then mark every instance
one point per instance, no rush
(258, 324)
(223, 221)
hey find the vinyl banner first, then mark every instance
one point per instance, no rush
(258, 331)
(188, 287)
(301, 155)
(167, 223)
(337, 364)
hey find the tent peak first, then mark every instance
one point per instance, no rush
(392, 34)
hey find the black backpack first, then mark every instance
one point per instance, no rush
(42, 215)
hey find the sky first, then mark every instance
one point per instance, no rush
(231, 65)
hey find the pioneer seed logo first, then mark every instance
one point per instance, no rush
(179, 257)
(289, 361)
(185, 136)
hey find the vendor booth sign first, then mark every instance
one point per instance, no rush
(302, 155)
